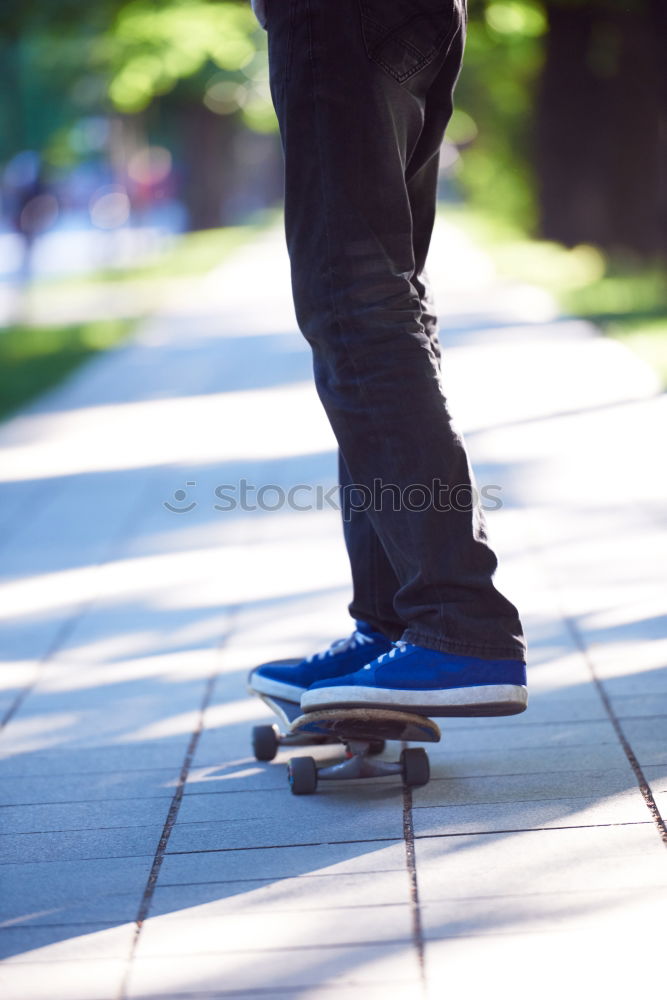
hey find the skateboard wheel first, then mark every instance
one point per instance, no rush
(415, 766)
(302, 775)
(264, 742)
(376, 746)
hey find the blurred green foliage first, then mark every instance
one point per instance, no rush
(150, 49)
(66, 61)
(559, 111)
(63, 60)
(504, 56)
(35, 358)
(153, 47)
(625, 297)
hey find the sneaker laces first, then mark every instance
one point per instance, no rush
(356, 638)
(397, 647)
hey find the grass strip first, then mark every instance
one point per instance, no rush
(35, 358)
(626, 298)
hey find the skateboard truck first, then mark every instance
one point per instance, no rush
(358, 730)
(268, 739)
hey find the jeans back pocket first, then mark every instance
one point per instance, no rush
(404, 36)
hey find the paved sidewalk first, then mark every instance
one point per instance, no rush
(145, 853)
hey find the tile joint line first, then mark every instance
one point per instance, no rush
(644, 786)
(411, 865)
(169, 822)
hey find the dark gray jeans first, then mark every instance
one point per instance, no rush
(363, 93)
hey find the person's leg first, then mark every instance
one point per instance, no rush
(352, 110)
(374, 582)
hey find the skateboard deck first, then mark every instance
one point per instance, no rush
(363, 731)
(287, 711)
(367, 724)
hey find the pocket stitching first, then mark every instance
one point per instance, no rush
(424, 59)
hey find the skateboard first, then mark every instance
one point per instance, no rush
(358, 729)
(267, 740)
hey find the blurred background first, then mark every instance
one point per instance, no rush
(138, 144)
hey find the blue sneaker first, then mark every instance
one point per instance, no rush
(426, 682)
(343, 656)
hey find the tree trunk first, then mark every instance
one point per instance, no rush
(208, 165)
(600, 148)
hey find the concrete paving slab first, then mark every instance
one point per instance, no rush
(97, 716)
(72, 891)
(77, 816)
(276, 817)
(136, 630)
(632, 706)
(540, 862)
(519, 732)
(259, 928)
(91, 516)
(112, 786)
(597, 960)
(580, 705)
(531, 787)
(324, 968)
(82, 942)
(626, 807)
(304, 892)
(571, 911)
(16, 676)
(329, 858)
(33, 640)
(645, 682)
(278, 804)
(97, 979)
(448, 763)
(58, 915)
(648, 739)
(79, 845)
(108, 759)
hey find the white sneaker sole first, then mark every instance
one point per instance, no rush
(486, 700)
(275, 689)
